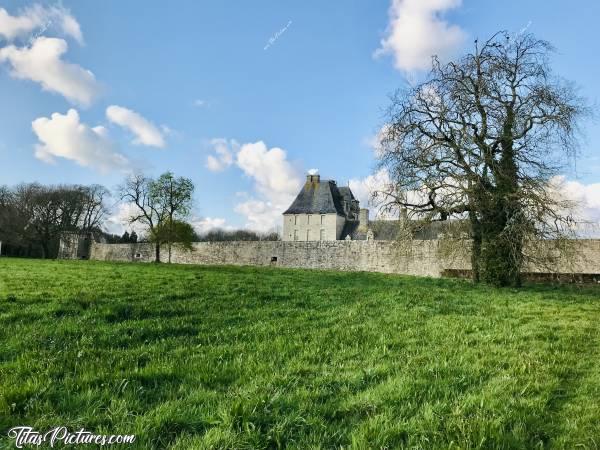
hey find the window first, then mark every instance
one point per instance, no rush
(308, 235)
(308, 219)
(295, 235)
(295, 220)
(273, 259)
(322, 237)
(322, 220)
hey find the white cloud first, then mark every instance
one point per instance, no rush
(39, 18)
(260, 215)
(374, 142)
(118, 222)
(42, 63)
(146, 133)
(276, 183)
(273, 175)
(70, 26)
(224, 154)
(364, 188)
(586, 198)
(417, 31)
(64, 136)
(200, 103)
(206, 224)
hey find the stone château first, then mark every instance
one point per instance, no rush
(324, 211)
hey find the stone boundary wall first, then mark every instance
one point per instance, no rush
(369, 256)
(422, 258)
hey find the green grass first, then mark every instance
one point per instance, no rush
(192, 357)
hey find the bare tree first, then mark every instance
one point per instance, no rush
(137, 190)
(480, 139)
(33, 215)
(93, 207)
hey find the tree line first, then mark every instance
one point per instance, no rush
(34, 216)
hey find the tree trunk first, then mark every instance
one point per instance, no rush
(157, 252)
(475, 247)
(45, 250)
(502, 243)
(169, 252)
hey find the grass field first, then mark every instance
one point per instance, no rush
(220, 357)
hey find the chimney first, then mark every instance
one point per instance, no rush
(363, 218)
(313, 178)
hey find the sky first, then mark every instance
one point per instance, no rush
(246, 97)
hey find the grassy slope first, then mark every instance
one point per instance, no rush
(208, 357)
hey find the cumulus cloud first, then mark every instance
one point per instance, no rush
(206, 224)
(224, 152)
(39, 18)
(260, 215)
(374, 142)
(146, 133)
(42, 62)
(276, 183)
(417, 31)
(119, 221)
(364, 188)
(273, 175)
(65, 136)
(586, 198)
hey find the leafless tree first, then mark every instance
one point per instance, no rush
(37, 214)
(92, 207)
(137, 190)
(481, 139)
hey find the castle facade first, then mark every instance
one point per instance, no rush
(323, 211)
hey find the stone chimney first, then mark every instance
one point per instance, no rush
(313, 178)
(363, 217)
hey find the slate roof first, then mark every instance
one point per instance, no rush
(320, 197)
(346, 194)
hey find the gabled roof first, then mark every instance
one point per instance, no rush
(318, 197)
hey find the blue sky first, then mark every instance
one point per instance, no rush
(266, 89)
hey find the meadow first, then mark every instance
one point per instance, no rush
(193, 357)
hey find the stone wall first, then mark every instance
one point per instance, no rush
(424, 258)
(374, 256)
